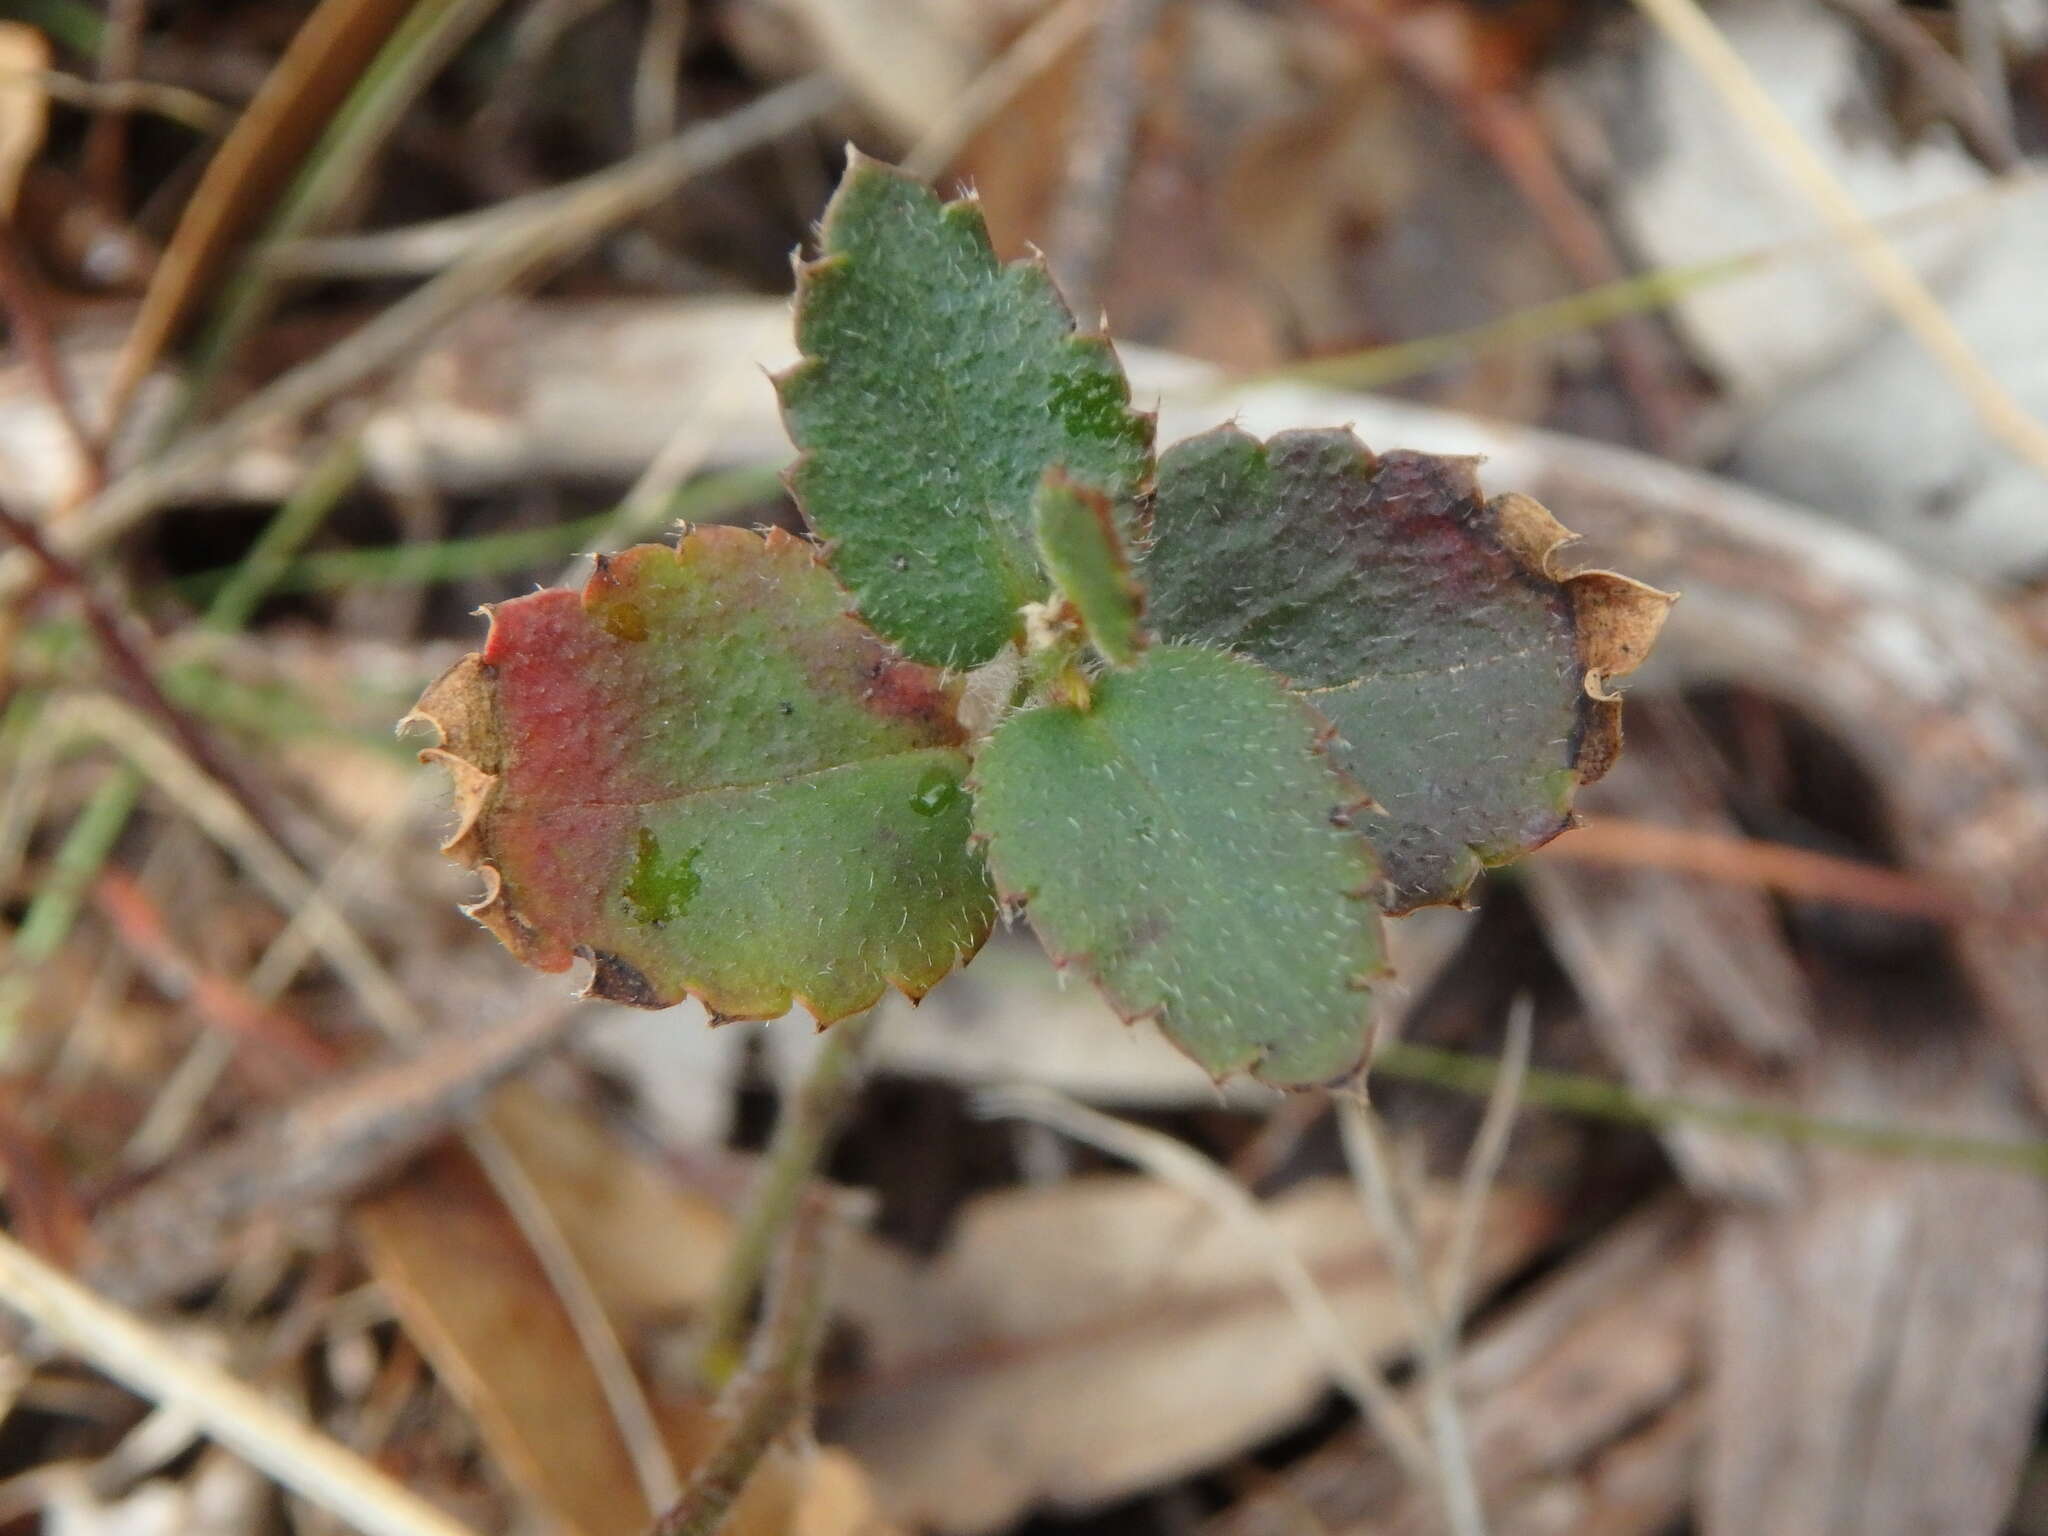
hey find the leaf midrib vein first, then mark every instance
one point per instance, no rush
(781, 781)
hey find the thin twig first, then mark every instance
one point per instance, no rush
(169, 1115)
(581, 213)
(1804, 873)
(222, 818)
(431, 34)
(187, 108)
(168, 1234)
(55, 903)
(287, 1046)
(1175, 1163)
(803, 1132)
(1371, 1167)
(1100, 145)
(1981, 26)
(1887, 272)
(128, 664)
(1639, 293)
(106, 138)
(1505, 127)
(387, 1004)
(1482, 1166)
(773, 1393)
(1947, 81)
(299, 1457)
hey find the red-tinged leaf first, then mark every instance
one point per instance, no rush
(706, 776)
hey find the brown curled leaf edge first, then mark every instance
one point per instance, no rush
(705, 776)
(1465, 667)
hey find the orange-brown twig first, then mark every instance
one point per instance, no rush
(1780, 867)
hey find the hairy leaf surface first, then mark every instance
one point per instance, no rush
(1178, 841)
(705, 775)
(1083, 548)
(937, 385)
(1465, 671)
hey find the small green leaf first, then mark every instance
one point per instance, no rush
(1081, 546)
(1465, 672)
(1180, 841)
(706, 776)
(936, 387)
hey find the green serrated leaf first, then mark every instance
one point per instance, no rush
(705, 775)
(936, 387)
(1179, 840)
(1464, 670)
(1083, 549)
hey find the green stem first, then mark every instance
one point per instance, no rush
(759, 1406)
(711, 498)
(803, 1133)
(296, 521)
(1465, 1073)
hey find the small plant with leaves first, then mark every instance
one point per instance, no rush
(1253, 696)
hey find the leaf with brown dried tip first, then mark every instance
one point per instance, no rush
(1465, 669)
(710, 779)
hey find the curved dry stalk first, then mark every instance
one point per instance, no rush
(1436, 1335)
(1175, 1163)
(803, 1132)
(646, 1446)
(1482, 1165)
(762, 1404)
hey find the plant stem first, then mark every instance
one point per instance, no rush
(1462, 1072)
(807, 1125)
(759, 1406)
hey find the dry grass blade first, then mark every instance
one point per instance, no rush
(299, 1457)
(1887, 272)
(1175, 1163)
(1482, 1167)
(1366, 1150)
(320, 67)
(573, 218)
(432, 33)
(628, 1405)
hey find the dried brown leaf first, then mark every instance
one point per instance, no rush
(1085, 1340)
